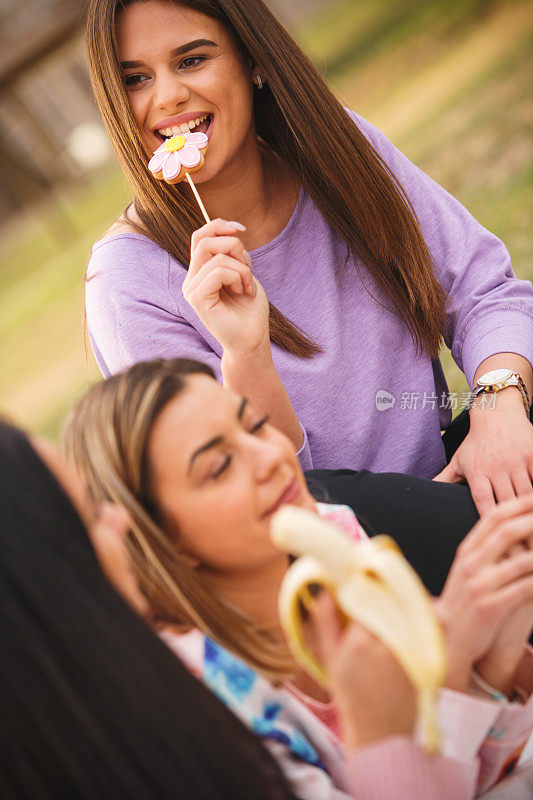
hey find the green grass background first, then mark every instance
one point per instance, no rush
(448, 81)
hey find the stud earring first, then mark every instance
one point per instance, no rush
(259, 82)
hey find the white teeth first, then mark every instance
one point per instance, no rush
(185, 127)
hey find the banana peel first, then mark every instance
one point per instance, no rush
(373, 584)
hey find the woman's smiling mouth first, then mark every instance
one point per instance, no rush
(289, 494)
(183, 124)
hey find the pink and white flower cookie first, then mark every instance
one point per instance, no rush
(178, 155)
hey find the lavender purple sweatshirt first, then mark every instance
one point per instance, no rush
(367, 401)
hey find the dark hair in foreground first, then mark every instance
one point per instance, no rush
(92, 704)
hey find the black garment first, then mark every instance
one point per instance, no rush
(455, 433)
(428, 520)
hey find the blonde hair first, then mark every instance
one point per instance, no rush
(294, 113)
(106, 437)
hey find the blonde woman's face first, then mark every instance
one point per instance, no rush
(180, 65)
(219, 471)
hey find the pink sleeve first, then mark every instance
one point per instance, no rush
(397, 769)
(507, 738)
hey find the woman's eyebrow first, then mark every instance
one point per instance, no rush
(242, 406)
(185, 48)
(217, 439)
(178, 51)
(207, 446)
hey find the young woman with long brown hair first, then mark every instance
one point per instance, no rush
(326, 302)
(201, 472)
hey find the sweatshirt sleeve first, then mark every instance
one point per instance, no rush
(132, 312)
(136, 312)
(490, 310)
(511, 729)
(481, 737)
(397, 769)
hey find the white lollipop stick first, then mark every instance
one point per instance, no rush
(198, 198)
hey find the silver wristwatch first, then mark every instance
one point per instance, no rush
(499, 379)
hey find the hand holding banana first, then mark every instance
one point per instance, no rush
(372, 584)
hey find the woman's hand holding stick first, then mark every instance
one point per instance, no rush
(221, 289)
(232, 304)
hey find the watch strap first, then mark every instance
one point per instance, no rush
(499, 386)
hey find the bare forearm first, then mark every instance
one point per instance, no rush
(254, 376)
(496, 457)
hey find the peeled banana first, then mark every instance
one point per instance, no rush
(373, 584)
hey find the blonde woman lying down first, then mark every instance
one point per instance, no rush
(200, 473)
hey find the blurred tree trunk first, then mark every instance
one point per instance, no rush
(20, 186)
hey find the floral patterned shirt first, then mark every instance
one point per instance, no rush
(482, 737)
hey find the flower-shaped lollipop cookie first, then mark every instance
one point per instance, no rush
(178, 156)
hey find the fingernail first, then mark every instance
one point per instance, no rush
(112, 516)
(104, 511)
(237, 225)
(307, 598)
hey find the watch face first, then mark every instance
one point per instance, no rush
(496, 376)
